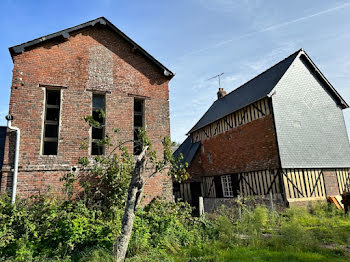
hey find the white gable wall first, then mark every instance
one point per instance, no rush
(310, 126)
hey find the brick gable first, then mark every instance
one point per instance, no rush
(91, 60)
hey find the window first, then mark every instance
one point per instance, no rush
(51, 122)
(226, 186)
(98, 132)
(209, 158)
(138, 123)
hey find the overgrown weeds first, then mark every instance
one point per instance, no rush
(48, 229)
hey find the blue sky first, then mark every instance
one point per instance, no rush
(197, 39)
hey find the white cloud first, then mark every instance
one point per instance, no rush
(265, 29)
(273, 57)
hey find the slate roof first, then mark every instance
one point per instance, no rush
(256, 89)
(17, 49)
(250, 92)
(2, 143)
(188, 150)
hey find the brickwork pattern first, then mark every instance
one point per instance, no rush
(249, 147)
(93, 58)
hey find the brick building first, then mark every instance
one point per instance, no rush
(281, 133)
(62, 77)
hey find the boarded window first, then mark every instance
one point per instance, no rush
(98, 130)
(226, 186)
(51, 123)
(138, 123)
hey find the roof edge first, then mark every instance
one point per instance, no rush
(318, 71)
(17, 49)
(193, 130)
(299, 54)
(331, 87)
(299, 50)
(188, 149)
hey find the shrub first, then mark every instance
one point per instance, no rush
(51, 227)
(171, 224)
(47, 229)
(294, 236)
(252, 224)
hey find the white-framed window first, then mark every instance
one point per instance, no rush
(226, 186)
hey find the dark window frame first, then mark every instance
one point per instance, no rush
(137, 147)
(94, 141)
(47, 140)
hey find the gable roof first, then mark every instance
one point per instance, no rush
(17, 49)
(258, 88)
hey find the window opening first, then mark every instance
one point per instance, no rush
(51, 122)
(98, 131)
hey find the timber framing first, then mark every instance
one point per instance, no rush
(256, 183)
(247, 114)
(297, 150)
(343, 179)
(292, 184)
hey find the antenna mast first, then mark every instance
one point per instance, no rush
(217, 76)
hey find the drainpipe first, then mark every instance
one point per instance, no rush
(9, 118)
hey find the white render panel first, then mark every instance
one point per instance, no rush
(310, 126)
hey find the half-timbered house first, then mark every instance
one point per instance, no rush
(282, 133)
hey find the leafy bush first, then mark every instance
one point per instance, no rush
(51, 227)
(171, 224)
(47, 229)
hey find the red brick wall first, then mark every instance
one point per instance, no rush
(246, 148)
(94, 58)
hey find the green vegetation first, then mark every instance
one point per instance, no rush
(47, 229)
(85, 224)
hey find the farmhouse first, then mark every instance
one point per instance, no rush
(62, 77)
(282, 133)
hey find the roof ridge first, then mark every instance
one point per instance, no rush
(229, 95)
(59, 31)
(102, 20)
(299, 50)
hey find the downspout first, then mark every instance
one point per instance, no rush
(9, 118)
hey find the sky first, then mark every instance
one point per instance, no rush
(197, 39)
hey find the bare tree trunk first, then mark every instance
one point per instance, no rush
(134, 197)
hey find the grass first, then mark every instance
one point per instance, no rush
(167, 232)
(319, 233)
(210, 253)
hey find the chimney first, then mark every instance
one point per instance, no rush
(221, 93)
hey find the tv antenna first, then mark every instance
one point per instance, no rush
(218, 77)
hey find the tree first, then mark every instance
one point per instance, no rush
(106, 178)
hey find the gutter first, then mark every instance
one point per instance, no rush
(9, 118)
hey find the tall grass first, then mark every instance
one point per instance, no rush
(49, 230)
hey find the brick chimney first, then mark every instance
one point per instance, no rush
(221, 93)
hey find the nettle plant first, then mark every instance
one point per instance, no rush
(116, 179)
